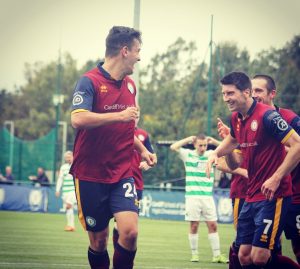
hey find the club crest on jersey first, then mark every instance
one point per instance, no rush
(141, 137)
(90, 221)
(77, 99)
(282, 125)
(254, 125)
(130, 87)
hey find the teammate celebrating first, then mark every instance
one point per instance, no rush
(264, 90)
(261, 133)
(104, 112)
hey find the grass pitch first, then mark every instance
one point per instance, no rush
(34, 240)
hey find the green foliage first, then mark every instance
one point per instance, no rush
(173, 93)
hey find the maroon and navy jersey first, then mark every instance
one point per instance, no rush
(294, 120)
(258, 135)
(239, 184)
(143, 136)
(103, 154)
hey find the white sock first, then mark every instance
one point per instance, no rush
(214, 241)
(193, 239)
(70, 217)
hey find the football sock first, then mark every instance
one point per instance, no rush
(214, 243)
(70, 217)
(123, 258)
(98, 260)
(193, 239)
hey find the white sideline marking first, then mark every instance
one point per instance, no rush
(41, 265)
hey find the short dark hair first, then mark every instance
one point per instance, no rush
(270, 81)
(201, 136)
(239, 79)
(118, 37)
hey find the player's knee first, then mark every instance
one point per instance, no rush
(130, 234)
(212, 227)
(244, 257)
(260, 257)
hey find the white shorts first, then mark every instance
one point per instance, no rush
(69, 198)
(200, 209)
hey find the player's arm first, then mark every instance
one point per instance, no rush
(59, 182)
(227, 146)
(213, 141)
(82, 116)
(178, 144)
(222, 166)
(147, 143)
(147, 156)
(88, 119)
(277, 127)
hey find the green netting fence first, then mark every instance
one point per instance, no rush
(26, 156)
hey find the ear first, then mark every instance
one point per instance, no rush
(273, 94)
(247, 92)
(124, 51)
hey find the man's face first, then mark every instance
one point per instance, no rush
(234, 98)
(132, 56)
(260, 91)
(201, 146)
(69, 158)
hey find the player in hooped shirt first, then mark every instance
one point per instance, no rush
(264, 91)
(262, 134)
(104, 113)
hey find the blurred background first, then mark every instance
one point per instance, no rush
(187, 47)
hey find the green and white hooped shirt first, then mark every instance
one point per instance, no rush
(197, 184)
(65, 180)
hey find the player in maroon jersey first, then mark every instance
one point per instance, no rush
(264, 90)
(261, 134)
(138, 164)
(103, 113)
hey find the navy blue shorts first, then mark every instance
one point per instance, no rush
(261, 223)
(97, 202)
(292, 225)
(237, 205)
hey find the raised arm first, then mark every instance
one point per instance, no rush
(178, 144)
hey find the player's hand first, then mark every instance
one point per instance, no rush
(212, 159)
(129, 114)
(149, 158)
(270, 186)
(57, 194)
(223, 129)
(144, 166)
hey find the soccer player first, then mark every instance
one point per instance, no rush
(137, 166)
(66, 184)
(261, 133)
(199, 195)
(238, 190)
(264, 90)
(103, 113)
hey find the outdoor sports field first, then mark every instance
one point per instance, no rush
(34, 240)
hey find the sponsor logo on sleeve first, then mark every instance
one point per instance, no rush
(282, 125)
(77, 99)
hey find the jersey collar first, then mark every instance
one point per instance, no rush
(250, 111)
(108, 76)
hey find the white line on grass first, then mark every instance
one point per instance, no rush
(59, 265)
